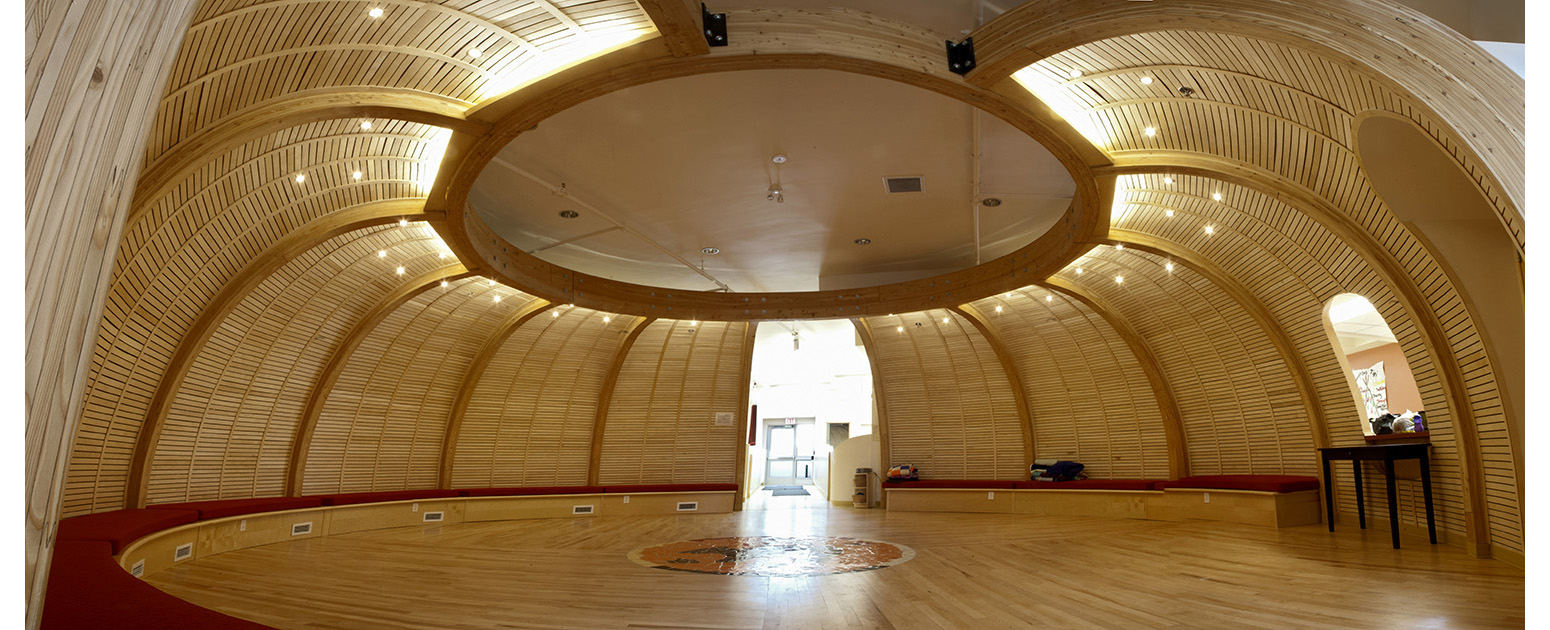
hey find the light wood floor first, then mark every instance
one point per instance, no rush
(971, 571)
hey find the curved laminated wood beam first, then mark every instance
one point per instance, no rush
(314, 106)
(745, 376)
(1410, 295)
(1167, 405)
(879, 400)
(1318, 423)
(471, 377)
(296, 469)
(606, 394)
(295, 243)
(1475, 95)
(1013, 376)
(679, 22)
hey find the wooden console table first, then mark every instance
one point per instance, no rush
(1388, 454)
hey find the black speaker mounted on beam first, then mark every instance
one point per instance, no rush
(960, 56)
(715, 26)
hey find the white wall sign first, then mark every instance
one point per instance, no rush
(724, 418)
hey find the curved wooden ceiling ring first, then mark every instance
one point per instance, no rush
(380, 103)
(605, 395)
(1256, 310)
(1410, 295)
(252, 275)
(465, 391)
(297, 467)
(1008, 366)
(1167, 405)
(1476, 96)
(649, 61)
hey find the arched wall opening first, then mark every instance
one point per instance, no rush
(1371, 358)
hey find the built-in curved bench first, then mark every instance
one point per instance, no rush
(99, 558)
(1270, 500)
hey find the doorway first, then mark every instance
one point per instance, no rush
(789, 459)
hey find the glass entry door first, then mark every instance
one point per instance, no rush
(790, 455)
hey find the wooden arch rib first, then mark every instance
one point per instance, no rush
(1167, 405)
(231, 295)
(297, 468)
(1411, 297)
(605, 395)
(879, 396)
(1463, 85)
(471, 377)
(679, 23)
(1256, 310)
(745, 382)
(1013, 375)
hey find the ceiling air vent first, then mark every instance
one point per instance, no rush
(904, 184)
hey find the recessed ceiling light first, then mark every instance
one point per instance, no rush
(709, 251)
(1167, 180)
(300, 178)
(863, 241)
(381, 253)
(554, 313)
(1146, 80)
(443, 284)
(400, 270)
(1168, 266)
(779, 159)
(990, 202)
(1168, 212)
(944, 320)
(1216, 196)
(607, 319)
(356, 175)
(1079, 271)
(1049, 298)
(441, 255)
(403, 223)
(694, 322)
(1076, 73)
(998, 308)
(497, 298)
(1210, 230)
(569, 214)
(365, 125)
(1119, 246)
(1150, 131)
(475, 53)
(375, 12)
(1119, 279)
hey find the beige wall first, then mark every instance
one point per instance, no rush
(1402, 391)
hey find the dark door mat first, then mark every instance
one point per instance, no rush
(781, 487)
(790, 491)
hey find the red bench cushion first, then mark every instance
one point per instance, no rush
(510, 492)
(1262, 483)
(356, 498)
(209, 510)
(88, 590)
(678, 487)
(1092, 484)
(122, 527)
(964, 484)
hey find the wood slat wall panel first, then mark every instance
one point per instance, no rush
(661, 419)
(1088, 396)
(242, 54)
(228, 434)
(1230, 383)
(179, 251)
(1289, 111)
(382, 425)
(529, 420)
(949, 404)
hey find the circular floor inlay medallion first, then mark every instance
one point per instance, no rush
(773, 556)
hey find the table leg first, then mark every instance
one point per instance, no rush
(1426, 489)
(1361, 510)
(1329, 496)
(1388, 479)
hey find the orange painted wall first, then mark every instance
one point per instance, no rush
(1403, 393)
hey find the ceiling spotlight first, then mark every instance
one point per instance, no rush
(569, 214)
(441, 255)
(1210, 230)
(1049, 298)
(775, 195)
(375, 12)
(1168, 180)
(1079, 271)
(694, 322)
(475, 53)
(443, 284)
(403, 223)
(1150, 131)
(1119, 279)
(607, 319)
(1168, 212)
(381, 253)
(1076, 73)
(300, 178)
(944, 320)
(1216, 196)
(1168, 266)
(1146, 80)
(779, 158)
(497, 298)
(1119, 246)
(709, 251)
(1186, 90)
(863, 241)
(554, 313)
(990, 202)
(400, 271)
(901, 329)
(356, 175)
(365, 125)
(998, 308)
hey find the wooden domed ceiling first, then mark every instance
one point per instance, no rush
(302, 301)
